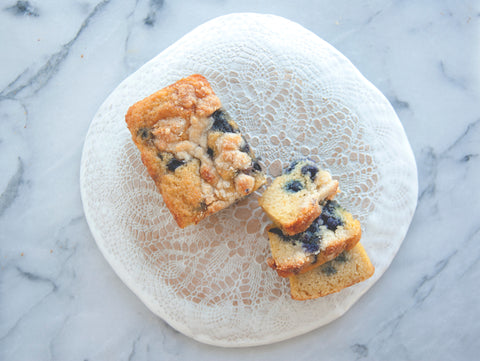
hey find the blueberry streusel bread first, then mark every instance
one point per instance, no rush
(293, 200)
(347, 269)
(193, 150)
(334, 231)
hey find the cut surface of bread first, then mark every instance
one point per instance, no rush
(333, 232)
(293, 200)
(347, 269)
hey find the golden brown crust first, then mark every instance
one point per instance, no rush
(189, 96)
(173, 188)
(300, 224)
(198, 170)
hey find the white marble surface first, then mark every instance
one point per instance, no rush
(60, 300)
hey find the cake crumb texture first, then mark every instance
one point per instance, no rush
(347, 269)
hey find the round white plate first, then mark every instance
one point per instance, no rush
(293, 95)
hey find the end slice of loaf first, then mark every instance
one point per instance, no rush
(349, 268)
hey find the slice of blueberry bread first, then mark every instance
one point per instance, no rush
(333, 232)
(193, 150)
(347, 269)
(293, 200)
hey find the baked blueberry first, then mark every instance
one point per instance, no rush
(294, 186)
(342, 257)
(144, 133)
(310, 239)
(276, 231)
(312, 247)
(332, 223)
(174, 163)
(203, 206)
(221, 122)
(330, 215)
(329, 269)
(256, 166)
(210, 152)
(245, 147)
(310, 170)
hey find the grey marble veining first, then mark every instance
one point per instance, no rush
(60, 300)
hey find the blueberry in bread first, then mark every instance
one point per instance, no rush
(193, 150)
(293, 200)
(333, 232)
(347, 269)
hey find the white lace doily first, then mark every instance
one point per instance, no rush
(293, 95)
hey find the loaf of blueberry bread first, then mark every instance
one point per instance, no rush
(333, 232)
(193, 150)
(347, 269)
(293, 200)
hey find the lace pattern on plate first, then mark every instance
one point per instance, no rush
(293, 96)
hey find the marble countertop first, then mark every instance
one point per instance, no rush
(59, 298)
